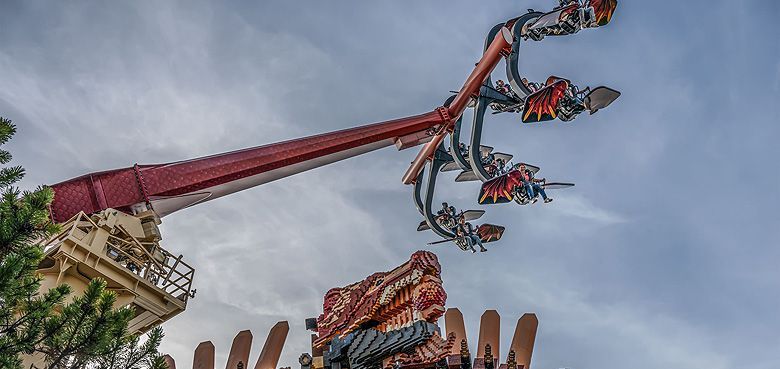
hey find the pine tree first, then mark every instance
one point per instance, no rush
(23, 219)
(125, 352)
(90, 333)
(84, 333)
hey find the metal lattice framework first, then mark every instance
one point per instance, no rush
(125, 251)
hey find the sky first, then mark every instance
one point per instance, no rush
(665, 253)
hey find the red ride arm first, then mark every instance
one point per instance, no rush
(174, 186)
(500, 46)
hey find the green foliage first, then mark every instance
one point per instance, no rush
(85, 333)
(9, 175)
(22, 312)
(24, 218)
(90, 333)
(126, 353)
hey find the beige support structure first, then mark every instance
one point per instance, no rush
(489, 333)
(204, 356)
(125, 251)
(272, 349)
(239, 351)
(524, 338)
(453, 322)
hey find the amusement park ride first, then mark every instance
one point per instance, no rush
(388, 321)
(110, 218)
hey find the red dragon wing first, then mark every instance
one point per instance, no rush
(542, 105)
(498, 190)
(490, 232)
(603, 10)
(551, 80)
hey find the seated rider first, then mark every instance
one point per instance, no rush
(446, 216)
(465, 231)
(571, 92)
(502, 87)
(500, 166)
(497, 168)
(531, 184)
(446, 209)
(532, 86)
(464, 150)
(487, 159)
(578, 95)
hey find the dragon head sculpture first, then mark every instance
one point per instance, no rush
(385, 300)
(386, 319)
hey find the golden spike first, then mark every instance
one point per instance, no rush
(239, 350)
(169, 362)
(523, 339)
(272, 349)
(204, 356)
(489, 332)
(453, 321)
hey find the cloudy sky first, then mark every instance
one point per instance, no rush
(665, 254)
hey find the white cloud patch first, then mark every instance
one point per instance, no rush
(580, 207)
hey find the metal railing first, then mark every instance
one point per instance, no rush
(147, 260)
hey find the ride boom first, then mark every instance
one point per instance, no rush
(499, 47)
(166, 188)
